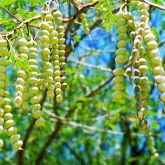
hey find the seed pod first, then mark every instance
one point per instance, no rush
(18, 145)
(40, 122)
(1, 144)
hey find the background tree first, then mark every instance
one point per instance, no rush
(88, 127)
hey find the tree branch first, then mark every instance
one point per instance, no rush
(153, 4)
(70, 112)
(91, 66)
(12, 15)
(74, 4)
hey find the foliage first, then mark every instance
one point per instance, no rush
(97, 131)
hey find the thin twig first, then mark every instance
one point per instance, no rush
(153, 4)
(12, 15)
(74, 4)
(90, 66)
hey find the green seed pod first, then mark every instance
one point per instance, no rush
(1, 144)
(118, 79)
(8, 116)
(136, 72)
(14, 138)
(1, 121)
(161, 87)
(152, 45)
(137, 88)
(121, 29)
(22, 42)
(1, 112)
(118, 87)
(34, 100)
(122, 36)
(142, 61)
(134, 56)
(37, 114)
(7, 108)
(120, 59)
(8, 123)
(50, 94)
(1, 129)
(156, 61)
(160, 79)
(122, 44)
(158, 70)
(58, 91)
(40, 122)
(137, 43)
(3, 43)
(149, 37)
(143, 80)
(17, 146)
(119, 72)
(121, 51)
(36, 107)
(136, 80)
(117, 95)
(59, 98)
(120, 22)
(143, 69)
(17, 101)
(64, 86)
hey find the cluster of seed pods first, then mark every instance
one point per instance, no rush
(152, 52)
(49, 73)
(144, 46)
(6, 117)
(121, 56)
(85, 25)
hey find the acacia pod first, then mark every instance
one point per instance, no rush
(117, 95)
(161, 87)
(58, 91)
(121, 51)
(156, 61)
(121, 29)
(59, 98)
(3, 43)
(1, 112)
(143, 69)
(152, 45)
(8, 123)
(143, 80)
(1, 120)
(122, 36)
(149, 37)
(158, 70)
(1, 144)
(8, 116)
(122, 44)
(120, 59)
(120, 22)
(1, 129)
(162, 97)
(118, 79)
(17, 146)
(142, 61)
(40, 122)
(160, 79)
(119, 71)
(14, 138)
(117, 87)
(37, 114)
(136, 80)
